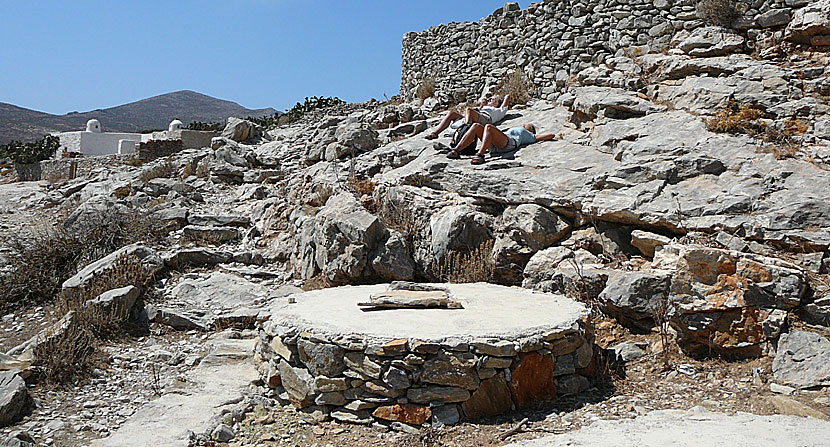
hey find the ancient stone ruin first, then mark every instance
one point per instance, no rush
(507, 349)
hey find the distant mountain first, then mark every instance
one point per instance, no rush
(17, 123)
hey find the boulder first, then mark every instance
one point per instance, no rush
(634, 298)
(458, 227)
(648, 242)
(774, 17)
(712, 41)
(15, 402)
(809, 22)
(18, 439)
(802, 360)
(360, 137)
(613, 102)
(393, 262)
(339, 240)
(240, 130)
(149, 260)
(117, 302)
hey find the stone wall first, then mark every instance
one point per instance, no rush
(553, 40)
(415, 381)
(62, 168)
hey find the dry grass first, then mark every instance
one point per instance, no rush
(426, 88)
(517, 85)
(49, 254)
(68, 356)
(719, 12)
(466, 266)
(362, 187)
(735, 118)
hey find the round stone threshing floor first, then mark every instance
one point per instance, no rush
(490, 311)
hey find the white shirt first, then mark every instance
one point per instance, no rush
(496, 113)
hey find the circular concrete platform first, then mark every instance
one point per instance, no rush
(508, 348)
(490, 311)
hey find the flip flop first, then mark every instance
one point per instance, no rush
(478, 160)
(453, 155)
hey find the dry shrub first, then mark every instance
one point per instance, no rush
(426, 88)
(735, 118)
(161, 170)
(362, 187)
(517, 85)
(719, 12)
(69, 355)
(465, 266)
(399, 217)
(49, 254)
(135, 162)
(784, 144)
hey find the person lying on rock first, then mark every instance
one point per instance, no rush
(489, 113)
(500, 142)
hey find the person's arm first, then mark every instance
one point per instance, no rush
(506, 103)
(483, 100)
(545, 137)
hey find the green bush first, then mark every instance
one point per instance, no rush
(27, 153)
(198, 125)
(298, 111)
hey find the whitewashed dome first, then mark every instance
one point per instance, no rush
(175, 125)
(93, 125)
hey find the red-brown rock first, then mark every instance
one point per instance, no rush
(492, 398)
(533, 380)
(408, 414)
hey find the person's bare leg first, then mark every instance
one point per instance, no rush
(475, 132)
(492, 137)
(452, 115)
(471, 115)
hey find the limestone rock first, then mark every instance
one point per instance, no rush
(712, 41)
(117, 302)
(802, 360)
(455, 369)
(148, 258)
(443, 394)
(321, 359)
(298, 383)
(15, 402)
(239, 130)
(614, 103)
(808, 22)
(634, 297)
(647, 242)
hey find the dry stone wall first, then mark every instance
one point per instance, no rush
(553, 40)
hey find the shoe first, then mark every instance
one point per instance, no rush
(431, 136)
(478, 160)
(453, 155)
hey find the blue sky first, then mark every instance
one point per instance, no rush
(62, 56)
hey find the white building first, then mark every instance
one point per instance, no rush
(93, 140)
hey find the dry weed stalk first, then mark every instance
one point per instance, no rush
(466, 266)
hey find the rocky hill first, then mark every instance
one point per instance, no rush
(682, 204)
(17, 123)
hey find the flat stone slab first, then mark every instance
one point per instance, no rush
(219, 381)
(490, 311)
(693, 429)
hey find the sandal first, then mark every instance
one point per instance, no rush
(453, 155)
(432, 136)
(478, 160)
